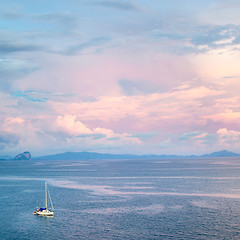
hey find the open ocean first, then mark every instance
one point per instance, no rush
(122, 199)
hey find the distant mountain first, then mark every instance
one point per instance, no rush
(108, 156)
(86, 155)
(94, 155)
(223, 153)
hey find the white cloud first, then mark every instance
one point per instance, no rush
(71, 126)
(74, 128)
(228, 137)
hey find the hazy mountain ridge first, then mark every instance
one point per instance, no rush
(223, 153)
(94, 155)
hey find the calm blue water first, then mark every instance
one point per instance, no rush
(131, 199)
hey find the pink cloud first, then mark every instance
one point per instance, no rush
(171, 95)
(99, 75)
(228, 116)
(147, 112)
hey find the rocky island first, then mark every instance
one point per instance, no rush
(23, 156)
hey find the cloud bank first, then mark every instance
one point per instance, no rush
(119, 77)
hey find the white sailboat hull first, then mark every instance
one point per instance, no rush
(44, 213)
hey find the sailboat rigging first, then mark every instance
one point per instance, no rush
(45, 211)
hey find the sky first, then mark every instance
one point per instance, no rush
(119, 76)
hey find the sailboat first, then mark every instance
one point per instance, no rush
(45, 211)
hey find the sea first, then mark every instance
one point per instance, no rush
(192, 198)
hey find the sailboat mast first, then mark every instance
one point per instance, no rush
(46, 195)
